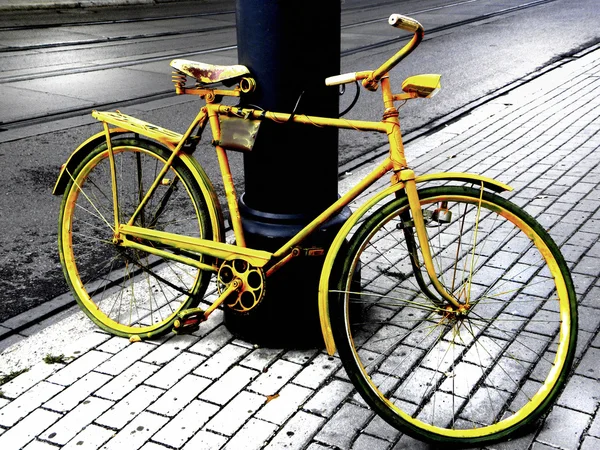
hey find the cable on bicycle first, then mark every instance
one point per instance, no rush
(296, 107)
(356, 95)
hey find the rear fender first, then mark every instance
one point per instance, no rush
(213, 204)
(78, 156)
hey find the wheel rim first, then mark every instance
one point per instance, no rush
(428, 373)
(123, 290)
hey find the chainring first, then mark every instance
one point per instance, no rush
(252, 291)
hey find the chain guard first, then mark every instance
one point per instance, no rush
(253, 284)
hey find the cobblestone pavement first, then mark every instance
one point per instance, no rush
(210, 390)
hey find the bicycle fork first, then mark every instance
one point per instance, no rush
(407, 176)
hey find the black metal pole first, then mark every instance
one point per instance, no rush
(291, 175)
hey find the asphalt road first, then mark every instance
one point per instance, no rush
(57, 65)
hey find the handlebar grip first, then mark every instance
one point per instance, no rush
(404, 22)
(341, 79)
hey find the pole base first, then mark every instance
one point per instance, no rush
(288, 315)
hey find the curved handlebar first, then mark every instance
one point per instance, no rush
(405, 23)
(371, 79)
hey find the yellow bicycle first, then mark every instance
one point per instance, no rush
(452, 309)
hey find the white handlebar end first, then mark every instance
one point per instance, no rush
(340, 79)
(404, 22)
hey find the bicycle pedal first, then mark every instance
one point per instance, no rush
(188, 321)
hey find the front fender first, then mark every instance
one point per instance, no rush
(359, 213)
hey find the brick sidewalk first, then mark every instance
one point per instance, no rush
(210, 390)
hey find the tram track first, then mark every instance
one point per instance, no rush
(111, 39)
(195, 52)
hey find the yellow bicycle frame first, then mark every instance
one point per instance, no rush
(403, 178)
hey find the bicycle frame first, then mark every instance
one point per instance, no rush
(129, 235)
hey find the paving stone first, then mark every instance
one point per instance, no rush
(582, 283)
(590, 443)
(277, 375)
(261, 358)
(237, 412)
(212, 342)
(76, 393)
(300, 356)
(540, 446)
(134, 435)
(127, 381)
(328, 398)
(590, 364)
(25, 431)
(317, 371)
(114, 345)
(129, 407)
(289, 400)
(594, 429)
(85, 343)
(170, 349)
(205, 440)
(380, 428)
(221, 362)
(176, 398)
(581, 394)
(563, 428)
(516, 443)
(185, 424)
(589, 318)
(252, 436)
(343, 427)
(175, 370)
(26, 403)
(79, 368)
(592, 298)
(26, 380)
(227, 387)
(297, 432)
(589, 266)
(67, 428)
(125, 358)
(90, 438)
(408, 443)
(366, 442)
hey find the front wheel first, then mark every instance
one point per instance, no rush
(124, 290)
(439, 373)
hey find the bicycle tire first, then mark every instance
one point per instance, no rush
(125, 291)
(439, 376)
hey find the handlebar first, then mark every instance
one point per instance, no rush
(371, 79)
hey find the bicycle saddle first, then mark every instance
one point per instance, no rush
(209, 73)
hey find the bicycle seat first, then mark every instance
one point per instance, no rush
(209, 73)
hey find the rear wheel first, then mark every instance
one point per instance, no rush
(124, 290)
(458, 375)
